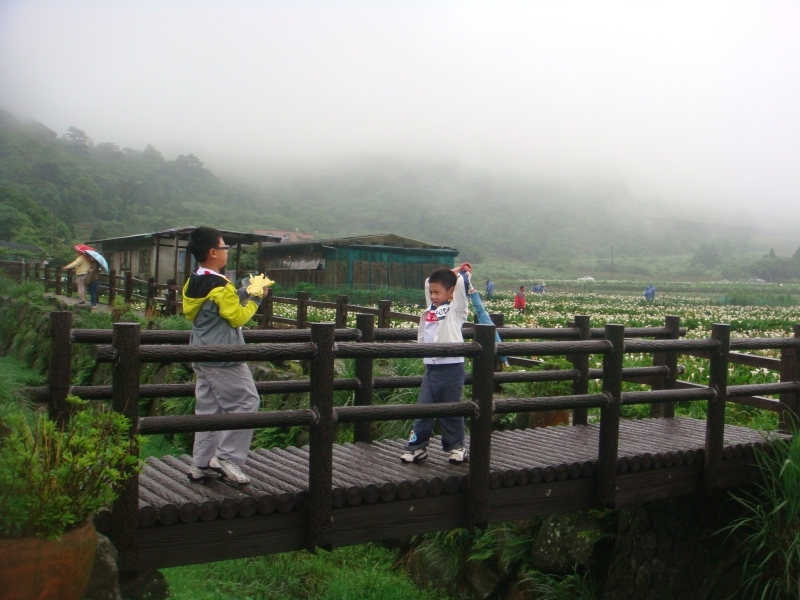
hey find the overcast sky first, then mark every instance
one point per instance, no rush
(687, 102)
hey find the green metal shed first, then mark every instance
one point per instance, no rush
(369, 262)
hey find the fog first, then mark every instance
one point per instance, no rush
(690, 106)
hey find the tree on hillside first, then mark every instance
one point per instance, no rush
(190, 161)
(108, 150)
(152, 155)
(78, 138)
(708, 256)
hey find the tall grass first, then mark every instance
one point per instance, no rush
(770, 525)
(354, 573)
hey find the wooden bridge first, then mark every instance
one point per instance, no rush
(328, 495)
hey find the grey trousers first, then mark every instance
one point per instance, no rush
(80, 281)
(440, 383)
(223, 390)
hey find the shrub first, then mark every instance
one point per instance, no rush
(52, 480)
(771, 525)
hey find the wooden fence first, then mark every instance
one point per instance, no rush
(130, 347)
(165, 297)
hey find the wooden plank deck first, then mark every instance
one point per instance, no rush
(533, 472)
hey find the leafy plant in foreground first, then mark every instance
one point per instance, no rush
(52, 480)
(771, 525)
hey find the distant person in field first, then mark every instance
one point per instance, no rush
(519, 299)
(217, 312)
(446, 293)
(489, 288)
(650, 293)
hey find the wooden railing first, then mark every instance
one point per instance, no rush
(323, 343)
(165, 297)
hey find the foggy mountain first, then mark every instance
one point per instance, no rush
(98, 189)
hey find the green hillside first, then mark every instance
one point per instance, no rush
(519, 228)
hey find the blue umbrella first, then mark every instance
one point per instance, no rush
(99, 258)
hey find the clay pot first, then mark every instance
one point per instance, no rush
(41, 569)
(548, 418)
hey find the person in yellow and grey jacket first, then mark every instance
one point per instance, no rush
(217, 311)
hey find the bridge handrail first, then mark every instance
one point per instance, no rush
(322, 416)
(176, 390)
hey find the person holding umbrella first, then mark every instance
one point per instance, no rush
(87, 271)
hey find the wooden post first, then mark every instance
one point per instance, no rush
(158, 247)
(69, 283)
(609, 417)
(790, 371)
(362, 432)
(480, 439)
(58, 280)
(266, 309)
(384, 307)
(128, 286)
(302, 310)
(36, 268)
(27, 271)
(151, 291)
(672, 323)
(60, 366)
(125, 400)
(499, 321)
(175, 266)
(187, 264)
(321, 439)
(341, 311)
(238, 260)
(46, 276)
(261, 263)
(112, 286)
(715, 422)
(580, 416)
(172, 298)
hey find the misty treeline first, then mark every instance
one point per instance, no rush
(100, 190)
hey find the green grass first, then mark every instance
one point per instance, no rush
(770, 525)
(13, 375)
(365, 572)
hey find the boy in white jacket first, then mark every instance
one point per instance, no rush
(446, 293)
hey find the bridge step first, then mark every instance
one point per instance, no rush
(365, 474)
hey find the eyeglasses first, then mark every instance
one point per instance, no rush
(222, 248)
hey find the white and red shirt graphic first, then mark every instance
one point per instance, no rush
(432, 319)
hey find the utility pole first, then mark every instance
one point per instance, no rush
(53, 242)
(612, 262)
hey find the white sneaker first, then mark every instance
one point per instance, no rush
(414, 456)
(201, 473)
(458, 455)
(229, 470)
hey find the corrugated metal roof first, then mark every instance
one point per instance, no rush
(385, 240)
(235, 236)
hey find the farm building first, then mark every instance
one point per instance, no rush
(371, 261)
(162, 254)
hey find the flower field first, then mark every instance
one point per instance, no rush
(697, 314)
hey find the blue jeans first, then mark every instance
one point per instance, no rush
(441, 383)
(483, 316)
(93, 291)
